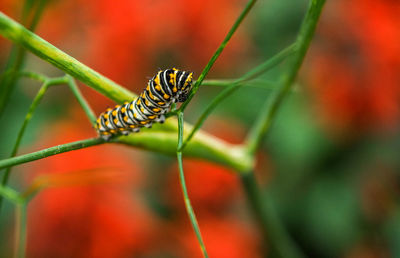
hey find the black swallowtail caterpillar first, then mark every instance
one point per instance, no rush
(166, 87)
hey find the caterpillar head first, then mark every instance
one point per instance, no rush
(187, 84)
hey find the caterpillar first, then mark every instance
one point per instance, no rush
(166, 87)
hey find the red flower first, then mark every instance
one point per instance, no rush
(354, 68)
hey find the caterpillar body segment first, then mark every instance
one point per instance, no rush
(166, 87)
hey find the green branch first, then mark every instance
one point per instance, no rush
(303, 40)
(203, 146)
(5, 163)
(20, 230)
(10, 194)
(218, 52)
(20, 218)
(188, 205)
(47, 83)
(21, 131)
(17, 55)
(43, 49)
(254, 83)
(235, 85)
(271, 225)
(281, 243)
(81, 100)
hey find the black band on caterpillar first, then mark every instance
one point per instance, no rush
(166, 87)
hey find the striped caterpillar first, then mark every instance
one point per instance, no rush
(166, 87)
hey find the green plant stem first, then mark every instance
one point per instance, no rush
(67, 79)
(21, 131)
(262, 84)
(28, 74)
(203, 146)
(188, 205)
(38, 14)
(279, 241)
(82, 101)
(20, 219)
(218, 52)
(20, 230)
(27, 119)
(39, 96)
(49, 152)
(35, 76)
(15, 32)
(47, 82)
(303, 40)
(254, 83)
(218, 99)
(269, 64)
(235, 85)
(10, 194)
(18, 54)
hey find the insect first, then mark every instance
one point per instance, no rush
(166, 87)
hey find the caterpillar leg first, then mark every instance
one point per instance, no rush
(125, 132)
(106, 136)
(148, 125)
(160, 119)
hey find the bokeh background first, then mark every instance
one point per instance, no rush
(331, 162)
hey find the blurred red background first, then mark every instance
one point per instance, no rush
(351, 78)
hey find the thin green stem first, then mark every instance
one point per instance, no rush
(38, 14)
(219, 83)
(281, 243)
(26, 9)
(218, 52)
(235, 85)
(43, 49)
(188, 205)
(254, 83)
(221, 96)
(39, 96)
(303, 40)
(10, 194)
(32, 75)
(261, 84)
(269, 64)
(82, 101)
(46, 84)
(21, 131)
(20, 230)
(18, 54)
(50, 152)
(28, 74)
(272, 227)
